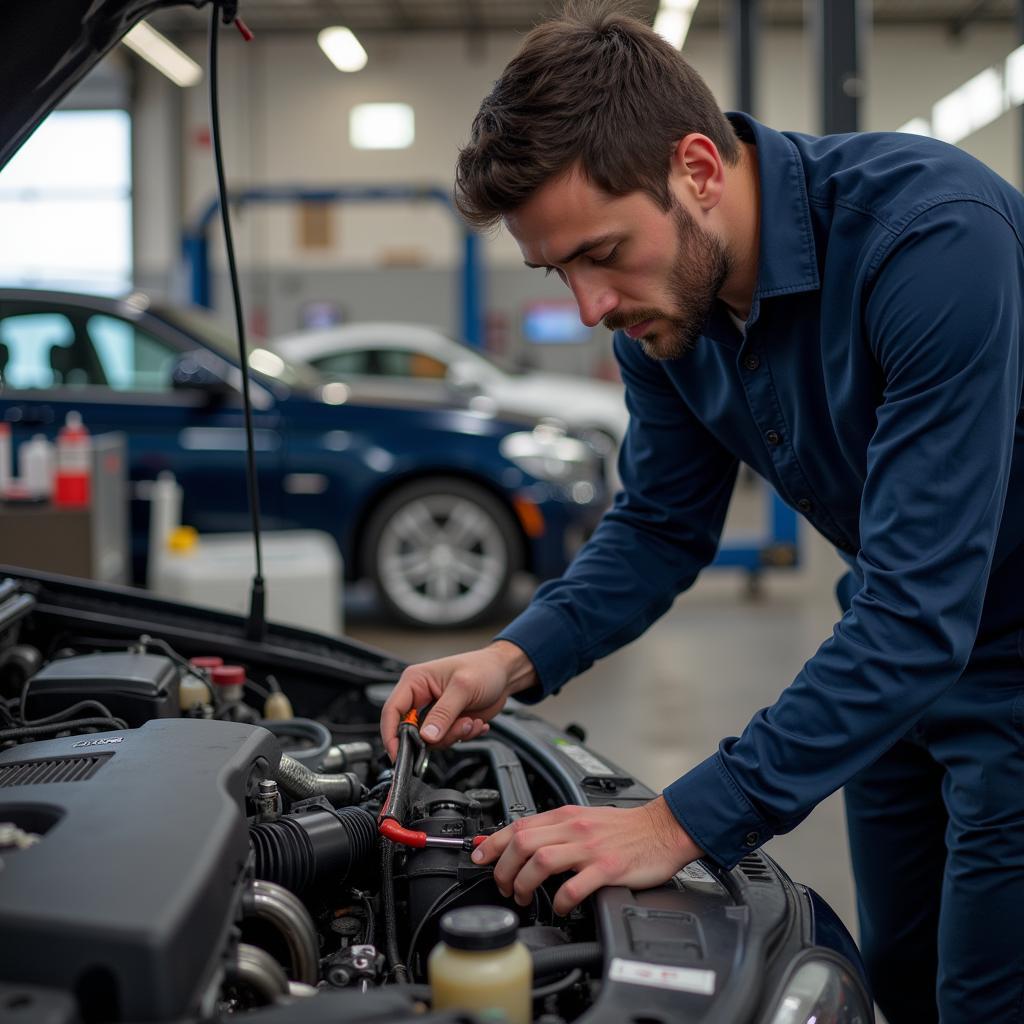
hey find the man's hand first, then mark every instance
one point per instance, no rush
(469, 690)
(638, 847)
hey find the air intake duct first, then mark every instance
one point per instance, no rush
(301, 851)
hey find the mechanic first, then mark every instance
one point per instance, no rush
(843, 314)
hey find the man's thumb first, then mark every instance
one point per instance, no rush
(444, 712)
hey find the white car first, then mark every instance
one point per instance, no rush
(412, 358)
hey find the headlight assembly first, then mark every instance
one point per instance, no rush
(548, 453)
(821, 991)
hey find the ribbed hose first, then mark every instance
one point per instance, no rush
(276, 905)
(301, 783)
(555, 959)
(299, 851)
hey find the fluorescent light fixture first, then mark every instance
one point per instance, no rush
(672, 22)
(159, 51)
(1015, 78)
(976, 103)
(916, 126)
(342, 48)
(381, 126)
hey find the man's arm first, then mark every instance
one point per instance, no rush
(663, 529)
(944, 319)
(650, 546)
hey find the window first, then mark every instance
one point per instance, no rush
(345, 364)
(131, 359)
(395, 362)
(65, 205)
(35, 347)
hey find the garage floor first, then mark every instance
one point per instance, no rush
(660, 705)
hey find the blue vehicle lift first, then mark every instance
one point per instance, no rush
(777, 547)
(196, 240)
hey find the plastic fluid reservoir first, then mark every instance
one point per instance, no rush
(480, 965)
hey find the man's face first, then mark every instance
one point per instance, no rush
(628, 263)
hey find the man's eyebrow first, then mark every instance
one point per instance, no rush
(583, 247)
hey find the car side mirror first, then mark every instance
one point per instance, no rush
(192, 373)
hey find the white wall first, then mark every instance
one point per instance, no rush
(285, 117)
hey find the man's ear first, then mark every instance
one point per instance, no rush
(696, 167)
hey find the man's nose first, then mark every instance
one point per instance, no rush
(595, 302)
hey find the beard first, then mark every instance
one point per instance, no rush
(699, 271)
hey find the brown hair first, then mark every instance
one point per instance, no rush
(594, 87)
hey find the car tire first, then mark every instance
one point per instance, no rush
(442, 553)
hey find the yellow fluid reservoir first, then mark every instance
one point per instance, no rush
(480, 965)
(192, 691)
(278, 708)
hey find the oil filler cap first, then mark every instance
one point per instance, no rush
(479, 928)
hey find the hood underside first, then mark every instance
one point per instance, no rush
(48, 47)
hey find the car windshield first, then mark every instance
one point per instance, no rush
(200, 324)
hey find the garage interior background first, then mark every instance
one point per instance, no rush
(285, 111)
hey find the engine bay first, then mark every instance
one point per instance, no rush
(196, 825)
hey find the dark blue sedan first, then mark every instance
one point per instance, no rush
(438, 505)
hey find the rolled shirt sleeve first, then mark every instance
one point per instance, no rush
(943, 320)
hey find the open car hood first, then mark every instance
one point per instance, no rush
(46, 48)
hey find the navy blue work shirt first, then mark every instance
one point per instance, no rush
(878, 389)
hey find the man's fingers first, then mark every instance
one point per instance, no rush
(574, 891)
(521, 844)
(547, 861)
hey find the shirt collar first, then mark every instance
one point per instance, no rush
(787, 260)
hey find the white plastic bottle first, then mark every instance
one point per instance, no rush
(38, 461)
(480, 965)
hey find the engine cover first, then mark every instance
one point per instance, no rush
(127, 898)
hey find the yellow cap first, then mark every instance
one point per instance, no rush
(182, 539)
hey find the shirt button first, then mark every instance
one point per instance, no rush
(752, 361)
(751, 839)
(804, 505)
(773, 437)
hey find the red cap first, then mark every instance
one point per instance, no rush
(228, 675)
(207, 661)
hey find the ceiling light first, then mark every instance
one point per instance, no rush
(381, 126)
(342, 48)
(179, 67)
(672, 22)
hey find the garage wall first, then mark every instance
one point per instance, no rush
(285, 111)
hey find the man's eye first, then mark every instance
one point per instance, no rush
(606, 260)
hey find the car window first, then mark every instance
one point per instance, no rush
(397, 362)
(132, 360)
(37, 348)
(345, 364)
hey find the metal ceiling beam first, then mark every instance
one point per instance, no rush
(976, 8)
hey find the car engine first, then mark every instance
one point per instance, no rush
(195, 824)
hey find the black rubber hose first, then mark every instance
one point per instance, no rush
(27, 731)
(555, 959)
(555, 987)
(300, 851)
(399, 973)
(398, 798)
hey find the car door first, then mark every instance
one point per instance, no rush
(119, 369)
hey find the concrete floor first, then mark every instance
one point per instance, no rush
(660, 705)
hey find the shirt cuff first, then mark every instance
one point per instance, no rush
(548, 639)
(707, 803)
